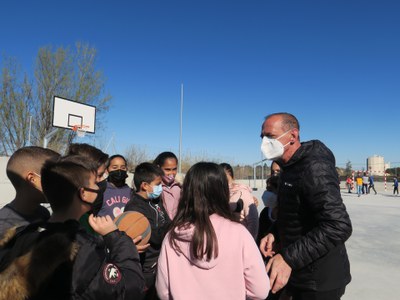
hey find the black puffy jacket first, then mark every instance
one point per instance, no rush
(313, 223)
(63, 261)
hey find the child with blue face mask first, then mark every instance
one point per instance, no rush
(148, 182)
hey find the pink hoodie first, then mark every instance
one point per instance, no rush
(237, 272)
(249, 214)
(170, 197)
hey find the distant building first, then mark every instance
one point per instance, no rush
(376, 165)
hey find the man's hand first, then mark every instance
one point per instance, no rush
(266, 245)
(140, 248)
(280, 272)
(102, 225)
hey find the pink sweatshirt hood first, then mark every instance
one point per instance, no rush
(185, 235)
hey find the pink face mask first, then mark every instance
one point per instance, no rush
(168, 179)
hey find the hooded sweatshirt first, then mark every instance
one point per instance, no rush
(237, 272)
(170, 197)
(248, 216)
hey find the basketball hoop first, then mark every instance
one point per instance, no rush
(80, 130)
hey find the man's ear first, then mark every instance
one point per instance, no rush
(33, 179)
(30, 177)
(294, 135)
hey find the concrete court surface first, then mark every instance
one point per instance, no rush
(374, 247)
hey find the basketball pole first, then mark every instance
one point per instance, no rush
(109, 143)
(48, 136)
(180, 133)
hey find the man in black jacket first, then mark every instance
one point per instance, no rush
(307, 249)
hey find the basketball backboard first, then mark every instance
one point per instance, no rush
(68, 114)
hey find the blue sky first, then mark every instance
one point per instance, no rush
(334, 64)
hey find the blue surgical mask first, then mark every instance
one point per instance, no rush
(157, 190)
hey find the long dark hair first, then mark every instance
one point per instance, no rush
(228, 168)
(205, 192)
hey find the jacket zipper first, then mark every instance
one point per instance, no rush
(156, 213)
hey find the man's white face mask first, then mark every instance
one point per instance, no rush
(273, 148)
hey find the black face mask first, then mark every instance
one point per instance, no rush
(117, 177)
(98, 202)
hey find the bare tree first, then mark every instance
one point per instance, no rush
(64, 72)
(136, 154)
(15, 105)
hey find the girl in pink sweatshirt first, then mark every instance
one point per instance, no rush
(206, 254)
(168, 162)
(248, 213)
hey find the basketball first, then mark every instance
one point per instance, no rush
(134, 223)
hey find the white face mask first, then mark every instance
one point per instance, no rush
(272, 148)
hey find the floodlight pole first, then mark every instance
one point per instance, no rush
(48, 136)
(180, 133)
(30, 128)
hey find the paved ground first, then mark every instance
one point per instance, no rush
(374, 247)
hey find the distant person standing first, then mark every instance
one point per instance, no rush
(359, 184)
(371, 184)
(349, 183)
(365, 182)
(395, 186)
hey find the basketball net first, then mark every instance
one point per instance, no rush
(80, 130)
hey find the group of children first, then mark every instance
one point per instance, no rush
(197, 250)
